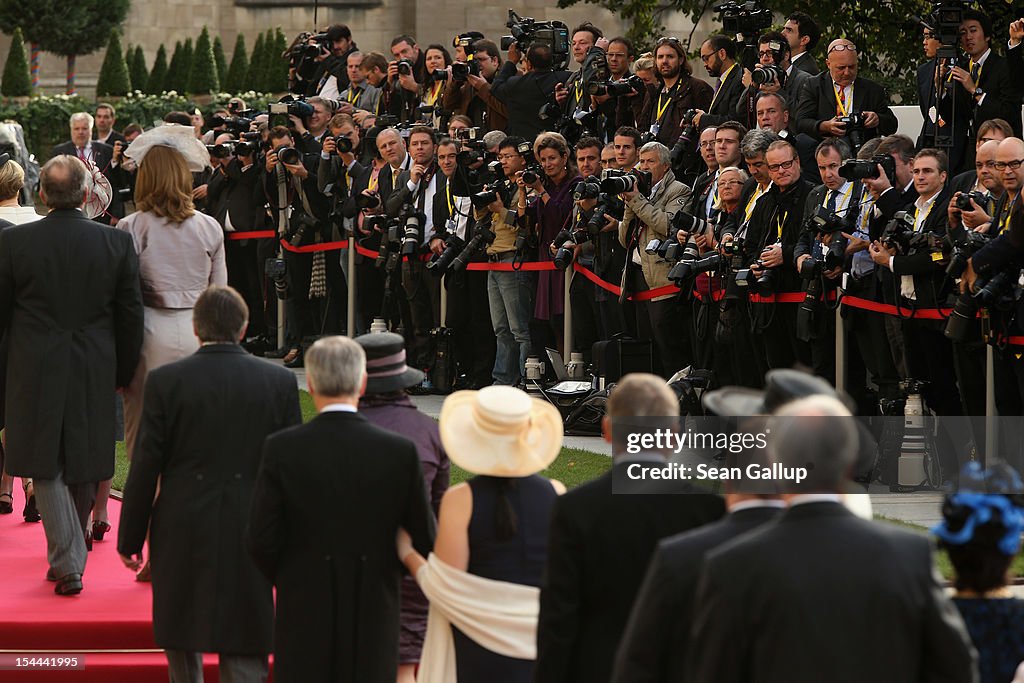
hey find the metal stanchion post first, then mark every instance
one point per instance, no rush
(282, 230)
(444, 300)
(350, 319)
(567, 308)
(991, 423)
(840, 343)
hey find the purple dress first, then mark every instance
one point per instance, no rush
(549, 219)
(396, 413)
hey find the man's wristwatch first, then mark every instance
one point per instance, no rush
(978, 94)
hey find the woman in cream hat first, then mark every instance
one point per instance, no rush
(484, 575)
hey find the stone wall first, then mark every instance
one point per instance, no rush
(151, 23)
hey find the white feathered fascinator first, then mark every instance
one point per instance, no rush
(181, 138)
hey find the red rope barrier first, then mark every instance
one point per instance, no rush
(250, 235)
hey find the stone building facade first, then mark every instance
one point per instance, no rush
(373, 24)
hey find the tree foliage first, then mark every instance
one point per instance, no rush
(16, 80)
(157, 81)
(137, 69)
(888, 45)
(235, 79)
(254, 75)
(203, 74)
(114, 78)
(221, 61)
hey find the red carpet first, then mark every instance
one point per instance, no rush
(109, 619)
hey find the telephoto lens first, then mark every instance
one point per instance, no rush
(288, 155)
(343, 144)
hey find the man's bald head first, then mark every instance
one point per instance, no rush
(841, 60)
(983, 164)
(1010, 151)
(62, 182)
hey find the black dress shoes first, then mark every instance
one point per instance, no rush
(69, 585)
(50, 576)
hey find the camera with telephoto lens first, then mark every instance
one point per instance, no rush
(276, 270)
(248, 145)
(608, 206)
(825, 222)
(367, 201)
(965, 244)
(763, 284)
(687, 269)
(854, 123)
(549, 111)
(809, 307)
(462, 70)
(688, 138)
(483, 235)
(389, 252)
(288, 155)
(997, 290)
(439, 74)
(627, 86)
(690, 224)
(301, 224)
(963, 201)
(527, 31)
(563, 254)
(766, 74)
(862, 169)
(617, 181)
(532, 173)
(466, 135)
(453, 246)
(221, 151)
(412, 230)
(231, 124)
(343, 145)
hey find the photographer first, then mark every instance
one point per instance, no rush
(472, 96)
(753, 147)
(677, 91)
(339, 165)
(438, 62)
(407, 75)
(772, 51)
(309, 131)
(360, 95)
(548, 213)
(524, 95)
(977, 216)
(295, 177)
(413, 200)
(510, 293)
(627, 141)
(802, 34)
(572, 95)
(665, 320)
(597, 314)
(922, 282)
(235, 196)
(468, 315)
(706, 201)
(771, 238)
(332, 76)
(839, 103)
(820, 255)
(718, 53)
(1005, 253)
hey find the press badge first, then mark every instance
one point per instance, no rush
(655, 128)
(449, 225)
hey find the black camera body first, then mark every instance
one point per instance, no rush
(997, 291)
(899, 232)
(745, 20)
(278, 112)
(767, 74)
(462, 70)
(633, 84)
(405, 67)
(453, 246)
(965, 244)
(288, 155)
(302, 58)
(963, 202)
(617, 181)
(860, 169)
(825, 222)
(527, 31)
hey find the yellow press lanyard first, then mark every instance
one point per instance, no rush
(752, 202)
(842, 107)
(374, 181)
(779, 223)
(843, 202)
(353, 95)
(448, 193)
(579, 90)
(925, 218)
(721, 86)
(432, 97)
(1004, 222)
(663, 107)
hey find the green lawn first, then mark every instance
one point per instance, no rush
(573, 466)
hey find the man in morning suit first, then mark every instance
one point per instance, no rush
(102, 156)
(821, 594)
(72, 308)
(204, 421)
(599, 546)
(329, 500)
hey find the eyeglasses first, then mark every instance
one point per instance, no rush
(727, 183)
(785, 165)
(705, 58)
(707, 144)
(1012, 165)
(843, 47)
(668, 39)
(766, 53)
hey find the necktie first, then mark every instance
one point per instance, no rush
(975, 70)
(830, 201)
(842, 102)
(718, 85)
(81, 153)
(394, 178)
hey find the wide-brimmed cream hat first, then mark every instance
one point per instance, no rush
(500, 432)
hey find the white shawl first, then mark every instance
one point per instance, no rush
(497, 615)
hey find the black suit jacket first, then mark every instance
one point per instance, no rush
(598, 550)
(524, 95)
(330, 497)
(654, 645)
(724, 104)
(203, 424)
(71, 304)
(1002, 96)
(930, 282)
(238, 192)
(821, 594)
(103, 155)
(807, 64)
(817, 102)
(955, 113)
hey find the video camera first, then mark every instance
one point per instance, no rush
(462, 70)
(745, 21)
(232, 124)
(527, 31)
(626, 86)
(278, 112)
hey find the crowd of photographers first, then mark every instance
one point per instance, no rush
(728, 214)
